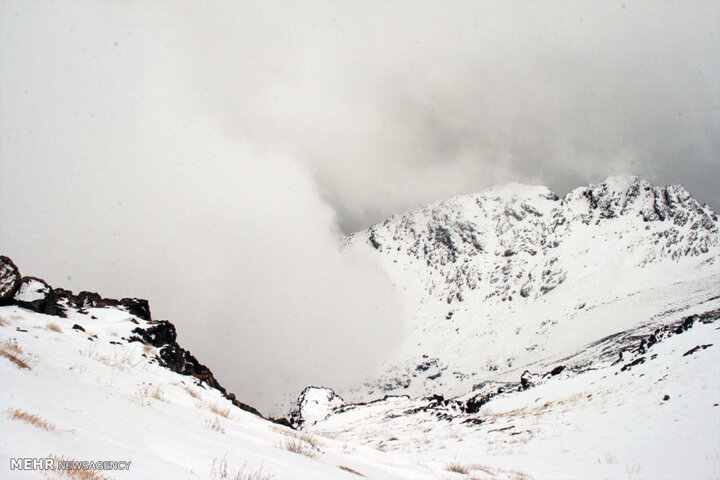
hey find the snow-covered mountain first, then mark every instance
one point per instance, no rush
(545, 337)
(516, 276)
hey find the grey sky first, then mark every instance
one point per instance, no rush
(207, 155)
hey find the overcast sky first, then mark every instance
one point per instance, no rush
(208, 155)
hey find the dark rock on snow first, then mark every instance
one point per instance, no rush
(159, 334)
(32, 294)
(9, 280)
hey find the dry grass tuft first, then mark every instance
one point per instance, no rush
(14, 353)
(520, 475)
(193, 393)
(32, 419)
(298, 446)
(147, 348)
(13, 347)
(121, 362)
(458, 468)
(348, 469)
(220, 410)
(146, 391)
(157, 394)
(219, 471)
(307, 438)
(214, 425)
(534, 410)
(246, 473)
(302, 436)
(77, 474)
(54, 327)
(3, 322)
(495, 472)
(483, 468)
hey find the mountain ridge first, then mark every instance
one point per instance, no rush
(468, 266)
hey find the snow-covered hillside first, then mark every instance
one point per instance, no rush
(516, 276)
(651, 412)
(93, 384)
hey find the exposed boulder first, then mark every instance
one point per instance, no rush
(32, 294)
(473, 405)
(158, 334)
(138, 307)
(9, 280)
(315, 404)
(528, 379)
(85, 300)
(58, 302)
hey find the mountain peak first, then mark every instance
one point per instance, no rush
(510, 241)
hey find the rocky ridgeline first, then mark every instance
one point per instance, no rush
(512, 240)
(37, 295)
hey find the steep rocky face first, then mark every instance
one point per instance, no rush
(508, 241)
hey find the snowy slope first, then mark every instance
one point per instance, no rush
(110, 400)
(516, 276)
(654, 414)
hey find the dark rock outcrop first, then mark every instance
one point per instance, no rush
(9, 280)
(137, 306)
(58, 302)
(85, 300)
(32, 294)
(37, 295)
(158, 334)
